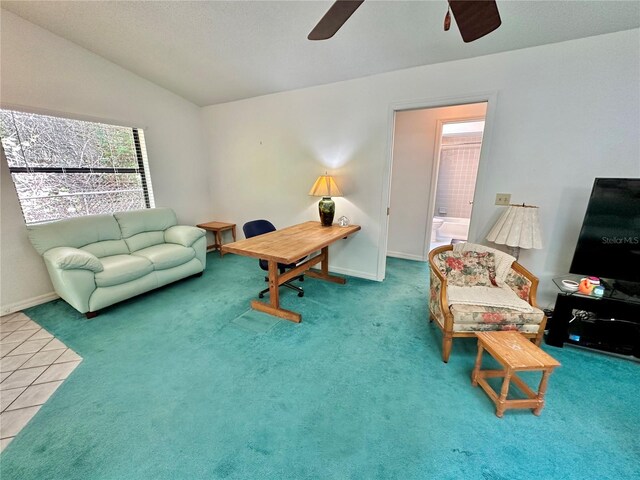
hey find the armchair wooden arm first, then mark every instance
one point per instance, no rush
(439, 304)
(432, 264)
(435, 271)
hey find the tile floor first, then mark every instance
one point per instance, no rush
(33, 364)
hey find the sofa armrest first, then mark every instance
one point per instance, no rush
(184, 235)
(68, 258)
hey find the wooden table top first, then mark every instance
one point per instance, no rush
(290, 244)
(514, 350)
(215, 225)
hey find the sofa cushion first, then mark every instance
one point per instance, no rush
(147, 220)
(166, 255)
(468, 268)
(495, 327)
(480, 314)
(73, 232)
(144, 240)
(121, 269)
(107, 248)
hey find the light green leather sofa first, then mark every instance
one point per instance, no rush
(98, 260)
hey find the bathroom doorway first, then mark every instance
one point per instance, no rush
(434, 165)
(458, 159)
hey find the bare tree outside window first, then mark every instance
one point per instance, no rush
(68, 168)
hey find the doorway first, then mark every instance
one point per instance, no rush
(458, 159)
(434, 164)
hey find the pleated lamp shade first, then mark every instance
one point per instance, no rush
(518, 226)
(325, 186)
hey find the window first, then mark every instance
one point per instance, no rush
(68, 168)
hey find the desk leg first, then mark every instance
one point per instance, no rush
(274, 291)
(324, 266)
(273, 308)
(323, 274)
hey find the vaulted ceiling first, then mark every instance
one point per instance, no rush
(220, 51)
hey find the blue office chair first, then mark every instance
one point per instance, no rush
(260, 227)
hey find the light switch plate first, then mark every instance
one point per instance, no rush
(503, 198)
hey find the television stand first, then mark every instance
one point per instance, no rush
(611, 324)
(620, 287)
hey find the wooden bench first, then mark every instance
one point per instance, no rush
(515, 353)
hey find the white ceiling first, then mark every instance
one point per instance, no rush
(214, 52)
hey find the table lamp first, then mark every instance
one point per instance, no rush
(326, 188)
(518, 227)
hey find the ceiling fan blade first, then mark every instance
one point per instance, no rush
(475, 18)
(334, 19)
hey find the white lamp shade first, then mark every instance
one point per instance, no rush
(325, 186)
(518, 226)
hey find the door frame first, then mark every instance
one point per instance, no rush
(491, 99)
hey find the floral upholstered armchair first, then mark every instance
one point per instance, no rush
(475, 288)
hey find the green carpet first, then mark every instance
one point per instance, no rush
(256, 322)
(171, 388)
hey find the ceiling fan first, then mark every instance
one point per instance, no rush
(475, 18)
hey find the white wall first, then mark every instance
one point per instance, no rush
(412, 182)
(565, 113)
(44, 73)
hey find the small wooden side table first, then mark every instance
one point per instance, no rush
(217, 228)
(515, 353)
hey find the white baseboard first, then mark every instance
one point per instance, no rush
(47, 297)
(29, 302)
(353, 273)
(406, 256)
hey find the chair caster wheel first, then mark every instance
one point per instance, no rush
(261, 295)
(301, 294)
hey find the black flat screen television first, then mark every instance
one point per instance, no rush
(609, 242)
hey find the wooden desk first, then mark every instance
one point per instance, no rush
(217, 228)
(288, 246)
(515, 353)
